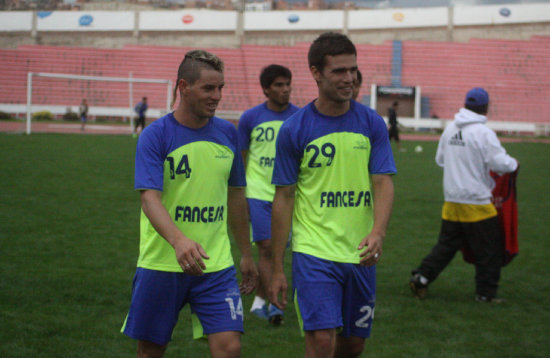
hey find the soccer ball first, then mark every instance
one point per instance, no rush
(418, 149)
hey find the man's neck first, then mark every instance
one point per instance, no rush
(275, 107)
(331, 108)
(187, 119)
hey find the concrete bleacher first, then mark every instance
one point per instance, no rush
(515, 72)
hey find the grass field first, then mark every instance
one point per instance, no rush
(69, 244)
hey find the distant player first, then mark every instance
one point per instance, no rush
(393, 130)
(333, 176)
(83, 112)
(140, 110)
(258, 129)
(191, 179)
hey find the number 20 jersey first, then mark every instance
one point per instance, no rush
(258, 129)
(330, 159)
(193, 169)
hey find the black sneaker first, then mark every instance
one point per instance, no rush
(481, 298)
(417, 287)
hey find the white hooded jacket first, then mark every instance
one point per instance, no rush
(467, 150)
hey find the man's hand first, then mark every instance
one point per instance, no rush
(249, 274)
(372, 249)
(189, 255)
(278, 286)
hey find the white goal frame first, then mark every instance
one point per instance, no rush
(130, 80)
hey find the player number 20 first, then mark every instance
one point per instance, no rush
(235, 310)
(266, 134)
(328, 150)
(182, 168)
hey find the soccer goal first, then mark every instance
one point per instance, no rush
(107, 97)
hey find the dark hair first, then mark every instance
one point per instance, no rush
(329, 44)
(359, 77)
(395, 104)
(190, 67)
(271, 72)
(144, 99)
(477, 109)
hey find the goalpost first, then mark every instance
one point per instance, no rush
(108, 109)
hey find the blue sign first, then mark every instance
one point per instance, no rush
(85, 20)
(43, 14)
(293, 18)
(505, 12)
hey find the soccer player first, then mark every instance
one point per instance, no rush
(83, 111)
(333, 176)
(467, 151)
(258, 129)
(140, 109)
(191, 179)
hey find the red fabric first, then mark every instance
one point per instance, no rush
(505, 201)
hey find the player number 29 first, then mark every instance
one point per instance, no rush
(327, 150)
(368, 314)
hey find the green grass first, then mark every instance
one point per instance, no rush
(69, 244)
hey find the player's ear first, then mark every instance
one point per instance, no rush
(183, 85)
(315, 73)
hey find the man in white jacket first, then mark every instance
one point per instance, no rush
(467, 151)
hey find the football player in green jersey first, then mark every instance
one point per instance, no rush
(190, 175)
(333, 176)
(258, 129)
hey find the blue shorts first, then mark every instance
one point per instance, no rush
(158, 297)
(330, 294)
(260, 218)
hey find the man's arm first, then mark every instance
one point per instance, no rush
(188, 252)
(244, 154)
(383, 202)
(237, 218)
(281, 221)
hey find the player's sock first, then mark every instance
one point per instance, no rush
(257, 304)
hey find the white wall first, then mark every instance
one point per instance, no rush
(193, 20)
(501, 14)
(15, 21)
(85, 21)
(398, 18)
(294, 20)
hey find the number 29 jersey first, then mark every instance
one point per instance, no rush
(193, 169)
(331, 159)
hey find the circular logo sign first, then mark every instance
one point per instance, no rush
(293, 18)
(505, 12)
(43, 14)
(85, 20)
(187, 19)
(398, 16)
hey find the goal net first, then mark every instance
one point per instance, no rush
(109, 99)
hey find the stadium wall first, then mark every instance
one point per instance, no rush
(232, 29)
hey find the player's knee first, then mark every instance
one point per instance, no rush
(350, 348)
(227, 347)
(323, 341)
(232, 349)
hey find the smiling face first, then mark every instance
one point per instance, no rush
(278, 93)
(335, 81)
(201, 98)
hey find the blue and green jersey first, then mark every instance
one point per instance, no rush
(193, 169)
(330, 160)
(258, 129)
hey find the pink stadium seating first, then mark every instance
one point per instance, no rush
(515, 72)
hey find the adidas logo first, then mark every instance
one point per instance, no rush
(457, 139)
